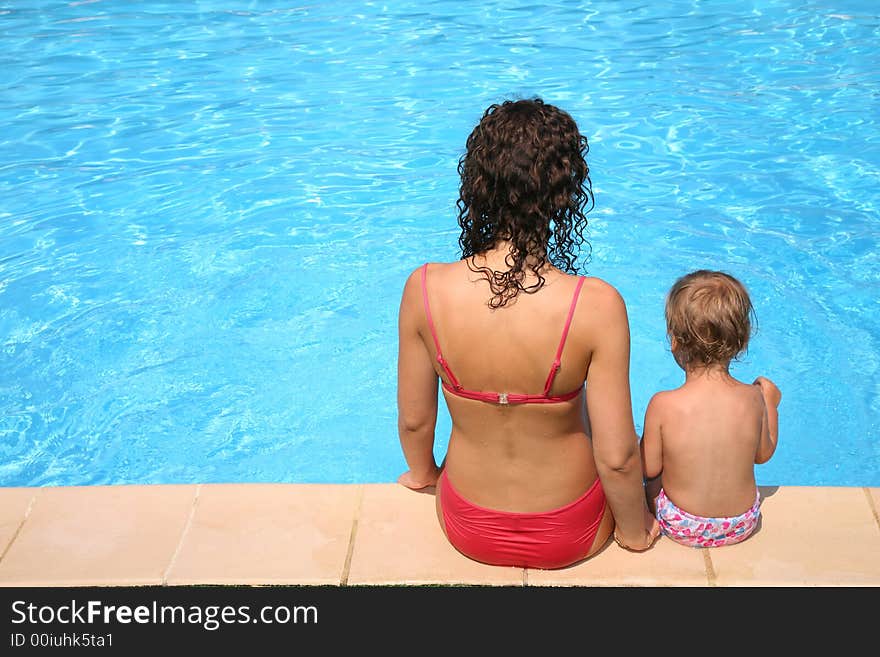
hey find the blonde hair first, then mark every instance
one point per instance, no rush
(708, 313)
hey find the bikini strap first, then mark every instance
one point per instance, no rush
(428, 307)
(557, 361)
(440, 359)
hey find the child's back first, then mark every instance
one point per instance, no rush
(702, 440)
(710, 431)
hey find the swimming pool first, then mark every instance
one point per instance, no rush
(209, 209)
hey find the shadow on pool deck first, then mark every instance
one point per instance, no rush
(384, 534)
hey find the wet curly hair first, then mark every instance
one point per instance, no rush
(709, 314)
(524, 179)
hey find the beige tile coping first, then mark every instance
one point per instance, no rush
(267, 534)
(665, 564)
(15, 505)
(874, 502)
(383, 534)
(808, 536)
(98, 536)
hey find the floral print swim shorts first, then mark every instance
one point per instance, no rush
(695, 531)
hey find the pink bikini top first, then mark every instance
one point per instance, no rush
(455, 388)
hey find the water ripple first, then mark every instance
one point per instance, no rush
(209, 210)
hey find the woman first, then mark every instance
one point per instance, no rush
(539, 467)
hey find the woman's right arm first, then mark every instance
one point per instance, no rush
(615, 443)
(416, 391)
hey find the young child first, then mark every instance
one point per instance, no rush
(701, 440)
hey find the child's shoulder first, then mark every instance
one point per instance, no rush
(665, 399)
(662, 396)
(746, 397)
(749, 392)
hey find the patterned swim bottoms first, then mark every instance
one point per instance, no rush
(695, 531)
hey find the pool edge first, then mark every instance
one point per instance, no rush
(384, 534)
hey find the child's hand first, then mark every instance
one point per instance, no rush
(771, 393)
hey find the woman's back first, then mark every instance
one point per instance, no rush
(514, 457)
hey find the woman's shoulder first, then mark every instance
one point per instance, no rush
(599, 294)
(600, 317)
(426, 271)
(600, 286)
(434, 267)
(430, 270)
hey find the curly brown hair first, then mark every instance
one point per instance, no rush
(524, 179)
(709, 314)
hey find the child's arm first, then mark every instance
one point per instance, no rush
(651, 445)
(651, 449)
(770, 426)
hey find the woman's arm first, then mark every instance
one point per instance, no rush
(615, 444)
(416, 391)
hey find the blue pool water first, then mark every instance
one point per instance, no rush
(208, 210)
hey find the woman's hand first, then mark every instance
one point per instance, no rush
(643, 542)
(418, 482)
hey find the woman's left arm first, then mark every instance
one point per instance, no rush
(416, 391)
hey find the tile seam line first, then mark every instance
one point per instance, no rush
(18, 529)
(711, 577)
(183, 534)
(872, 506)
(346, 567)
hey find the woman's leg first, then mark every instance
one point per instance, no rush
(438, 504)
(606, 526)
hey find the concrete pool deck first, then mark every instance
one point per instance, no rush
(384, 534)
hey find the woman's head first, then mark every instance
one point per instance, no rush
(708, 319)
(524, 180)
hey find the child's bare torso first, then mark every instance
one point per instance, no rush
(710, 433)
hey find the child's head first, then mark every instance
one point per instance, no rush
(708, 319)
